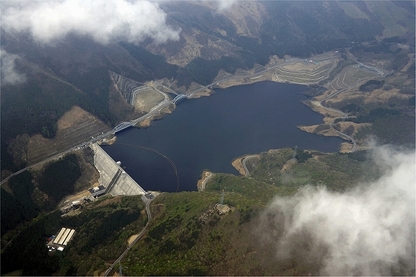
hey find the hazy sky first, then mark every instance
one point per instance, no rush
(365, 231)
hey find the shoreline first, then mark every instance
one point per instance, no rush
(109, 141)
(289, 70)
(205, 177)
(240, 164)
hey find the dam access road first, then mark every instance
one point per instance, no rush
(146, 200)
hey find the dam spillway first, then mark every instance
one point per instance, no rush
(112, 176)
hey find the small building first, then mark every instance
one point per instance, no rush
(76, 204)
(97, 191)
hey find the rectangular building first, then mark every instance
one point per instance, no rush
(97, 191)
(61, 240)
(69, 237)
(58, 237)
(64, 236)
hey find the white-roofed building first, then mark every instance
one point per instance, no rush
(61, 240)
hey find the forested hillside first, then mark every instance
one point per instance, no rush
(295, 212)
(188, 235)
(74, 70)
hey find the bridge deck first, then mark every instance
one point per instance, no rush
(122, 126)
(179, 97)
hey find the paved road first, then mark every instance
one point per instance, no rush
(342, 89)
(59, 155)
(244, 163)
(258, 74)
(155, 109)
(139, 236)
(204, 182)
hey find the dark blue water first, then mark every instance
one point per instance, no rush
(209, 132)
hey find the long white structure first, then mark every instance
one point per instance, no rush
(69, 237)
(61, 241)
(58, 237)
(64, 236)
(112, 176)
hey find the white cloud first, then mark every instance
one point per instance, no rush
(9, 74)
(366, 231)
(225, 4)
(220, 5)
(103, 20)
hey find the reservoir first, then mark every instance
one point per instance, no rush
(209, 132)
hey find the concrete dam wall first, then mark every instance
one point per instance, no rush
(112, 176)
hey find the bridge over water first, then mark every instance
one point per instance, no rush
(121, 126)
(179, 97)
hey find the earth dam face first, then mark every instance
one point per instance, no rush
(208, 133)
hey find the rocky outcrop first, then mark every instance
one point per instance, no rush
(219, 209)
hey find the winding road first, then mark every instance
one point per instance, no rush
(258, 74)
(244, 160)
(139, 236)
(344, 87)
